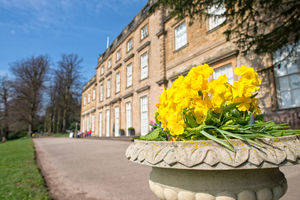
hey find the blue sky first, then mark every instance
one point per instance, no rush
(53, 27)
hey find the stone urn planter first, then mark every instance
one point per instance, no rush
(204, 170)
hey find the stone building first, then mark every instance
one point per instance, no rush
(151, 52)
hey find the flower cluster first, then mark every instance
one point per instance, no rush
(194, 96)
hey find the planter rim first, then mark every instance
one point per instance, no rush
(209, 155)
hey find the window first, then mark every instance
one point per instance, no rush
(107, 123)
(108, 88)
(83, 127)
(88, 123)
(89, 97)
(224, 70)
(129, 75)
(118, 82)
(109, 63)
(144, 66)
(101, 92)
(144, 115)
(93, 123)
(216, 20)
(102, 70)
(119, 55)
(128, 116)
(94, 94)
(100, 124)
(287, 77)
(180, 36)
(117, 120)
(144, 32)
(129, 45)
(84, 100)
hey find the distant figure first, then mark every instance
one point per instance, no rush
(3, 139)
(42, 133)
(79, 134)
(71, 134)
(90, 133)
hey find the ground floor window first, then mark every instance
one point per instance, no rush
(128, 116)
(82, 128)
(287, 77)
(224, 70)
(144, 115)
(100, 124)
(88, 123)
(107, 122)
(117, 120)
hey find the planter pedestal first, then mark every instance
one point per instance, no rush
(254, 184)
(204, 170)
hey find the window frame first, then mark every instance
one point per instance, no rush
(129, 44)
(102, 70)
(211, 24)
(143, 67)
(119, 55)
(108, 88)
(100, 124)
(101, 92)
(117, 119)
(94, 94)
(89, 97)
(129, 77)
(176, 38)
(144, 125)
(144, 34)
(128, 116)
(109, 63)
(118, 82)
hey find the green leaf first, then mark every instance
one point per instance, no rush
(200, 93)
(260, 117)
(254, 95)
(229, 107)
(156, 120)
(217, 140)
(210, 119)
(152, 135)
(191, 120)
(235, 113)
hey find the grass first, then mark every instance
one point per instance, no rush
(19, 175)
(59, 134)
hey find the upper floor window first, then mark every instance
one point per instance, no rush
(180, 36)
(144, 66)
(94, 94)
(89, 97)
(224, 70)
(144, 32)
(287, 77)
(118, 82)
(101, 92)
(108, 88)
(119, 55)
(109, 63)
(84, 100)
(217, 19)
(129, 75)
(102, 70)
(129, 45)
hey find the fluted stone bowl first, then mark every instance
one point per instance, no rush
(197, 170)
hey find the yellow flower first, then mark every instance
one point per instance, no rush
(244, 103)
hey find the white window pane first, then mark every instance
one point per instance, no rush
(229, 72)
(281, 71)
(284, 83)
(292, 66)
(230, 81)
(100, 124)
(117, 121)
(294, 81)
(107, 122)
(286, 98)
(296, 97)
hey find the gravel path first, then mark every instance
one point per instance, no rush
(91, 169)
(81, 169)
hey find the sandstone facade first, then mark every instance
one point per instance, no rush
(168, 49)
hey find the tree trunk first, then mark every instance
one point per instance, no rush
(57, 125)
(6, 127)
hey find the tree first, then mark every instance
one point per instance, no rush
(69, 75)
(29, 86)
(5, 94)
(262, 26)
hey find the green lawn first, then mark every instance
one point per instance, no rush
(19, 175)
(59, 134)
